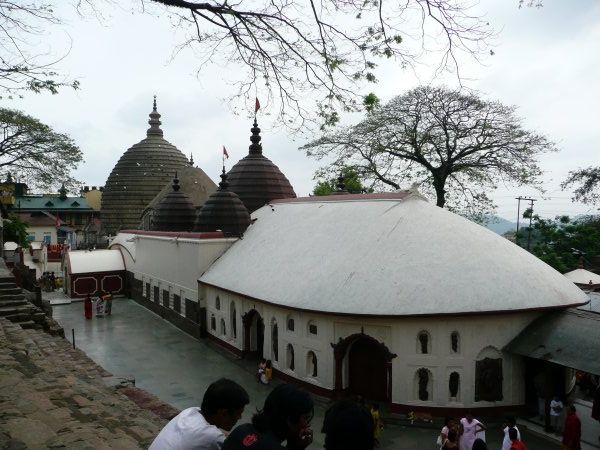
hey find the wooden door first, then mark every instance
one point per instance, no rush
(367, 370)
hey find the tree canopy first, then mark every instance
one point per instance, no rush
(587, 184)
(562, 242)
(15, 230)
(350, 181)
(455, 145)
(35, 152)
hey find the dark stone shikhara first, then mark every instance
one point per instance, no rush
(255, 179)
(223, 211)
(175, 212)
(138, 177)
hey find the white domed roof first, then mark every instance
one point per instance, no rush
(582, 276)
(393, 254)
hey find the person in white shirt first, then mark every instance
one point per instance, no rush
(202, 428)
(556, 414)
(511, 422)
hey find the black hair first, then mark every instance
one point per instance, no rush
(348, 426)
(223, 394)
(511, 420)
(375, 406)
(447, 420)
(572, 408)
(284, 404)
(479, 444)
(512, 434)
(452, 435)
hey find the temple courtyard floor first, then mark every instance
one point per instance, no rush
(177, 368)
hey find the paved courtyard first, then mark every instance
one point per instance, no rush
(178, 368)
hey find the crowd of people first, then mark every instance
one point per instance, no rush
(48, 282)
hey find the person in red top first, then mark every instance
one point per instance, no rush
(572, 434)
(87, 306)
(515, 443)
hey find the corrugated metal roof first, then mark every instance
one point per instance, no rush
(84, 261)
(51, 203)
(568, 338)
(389, 256)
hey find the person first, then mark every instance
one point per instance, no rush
(285, 416)
(107, 303)
(596, 404)
(202, 428)
(556, 410)
(378, 423)
(100, 306)
(572, 432)
(515, 440)
(510, 423)
(267, 374)
(469, 427)
(348, 426)
(52, 281)
(443, 436)
(88, 307)
(451, 440)
(478, 444)
(261, 368)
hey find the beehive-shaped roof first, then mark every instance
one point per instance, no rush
(223, 211)
(140, 174)
(255, 179)
(175, 212)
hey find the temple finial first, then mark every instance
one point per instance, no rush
(154, 122)
(176, 186)
(154, 106)
(224, 184)
(191, 160)
(256, 146)
(341, 185)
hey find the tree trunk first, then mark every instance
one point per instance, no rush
(440, 192)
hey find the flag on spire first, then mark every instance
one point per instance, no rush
(225, 154)
(256, 105)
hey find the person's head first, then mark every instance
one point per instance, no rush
(512, 434)
(469, 416)
(375, 406)
(287, 411)
(511, 421)
(448, 421)
(348, 426)
(452, 435)
(223, 403)
(479, 444)
(557, 397)
(269, 364)
(263, 361)
(572, 409)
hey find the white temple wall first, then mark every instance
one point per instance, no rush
(478, 337)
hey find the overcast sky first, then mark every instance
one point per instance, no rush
(546, 62)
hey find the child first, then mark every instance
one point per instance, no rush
(377, 422)
(267, 375)
(261, 369)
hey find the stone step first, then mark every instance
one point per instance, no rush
(7, 279)
(12, 302)
(30, 324)
(7, 284)
(9, 310)
(11, 296)
(10, 291)
(19, 317)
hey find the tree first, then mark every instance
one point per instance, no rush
(22, 65)
(298, 49)
(351, 180)
(14, 229)
(561, 242)
(35, 152)
(587, 182)
(455, 144)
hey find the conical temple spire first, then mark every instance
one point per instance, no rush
(176, 186)
(341, 185)
(62, 192)
(224, 184)
(256, 146)
(191, 160)
(154, 122)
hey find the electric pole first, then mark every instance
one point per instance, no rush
(531, 200)
(530, 211)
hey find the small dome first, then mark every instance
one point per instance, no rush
(175, 212)
(140, 174)
(255, 179)
(223, 211)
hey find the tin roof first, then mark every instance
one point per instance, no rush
(51, 203)
(84, 261)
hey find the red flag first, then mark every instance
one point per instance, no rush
(256, 105)
(225, 154)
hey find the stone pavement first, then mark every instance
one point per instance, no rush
(178, 368)
(53, 396)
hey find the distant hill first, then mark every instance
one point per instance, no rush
(499, 225)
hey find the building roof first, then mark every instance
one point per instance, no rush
(582, 276)
(10, 246)
(95, 261)
(50, 203)
(139, 175)
(38, 220)
(568, 338)
(255, 179)
(175, 211)
(399, 255)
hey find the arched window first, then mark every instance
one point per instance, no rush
(423, 384)
(311, 364)
(217, 303)
(290, 357)
(213, 323)
(455, 342)
(274, 341)
(312, 328)
(454, 385)
(233, 320)
(223, 328)
(290, 324)
(423, 343)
